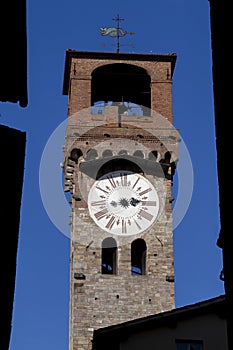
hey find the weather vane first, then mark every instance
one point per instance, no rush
(116, 32)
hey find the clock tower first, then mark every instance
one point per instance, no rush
(120, 156)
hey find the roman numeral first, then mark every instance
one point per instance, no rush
(145, 191)
(112, 181)
(101, 189)
(124, 179)
(110, 223)
(137, 224)
(145, 215)
(98, 203)
(149, 203)
(136, 182)
(123, 226)
(101, 214)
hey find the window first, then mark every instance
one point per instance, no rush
(75, 154)
(107, 153)
(91, 154)
(139, 154)
(109, 256)
(121, 82)
(138, 257)
(189, 345)
(153, 155)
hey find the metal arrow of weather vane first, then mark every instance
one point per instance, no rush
(116, 32)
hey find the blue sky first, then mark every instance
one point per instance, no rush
(41, 306)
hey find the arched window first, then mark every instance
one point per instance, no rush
(167, 157)
(121, 82)
(153, 155)
(91, 154)
(166, 164)
(109, 256)
(139, 154)
(75, 154)
(107, 153)
(138, 257)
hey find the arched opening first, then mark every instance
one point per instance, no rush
(109, 256)
(153, 155)
(121, 82)
(138, 257)
(75, 154)
(107, 153)
(138, 154)
(167, 157)
(166, 165)
(91, 154)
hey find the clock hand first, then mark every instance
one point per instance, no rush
(123, 202)
(134, 202)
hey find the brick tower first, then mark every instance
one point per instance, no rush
(120, 155)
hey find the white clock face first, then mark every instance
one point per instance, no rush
(123, 203)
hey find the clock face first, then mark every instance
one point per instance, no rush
(123, 203)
